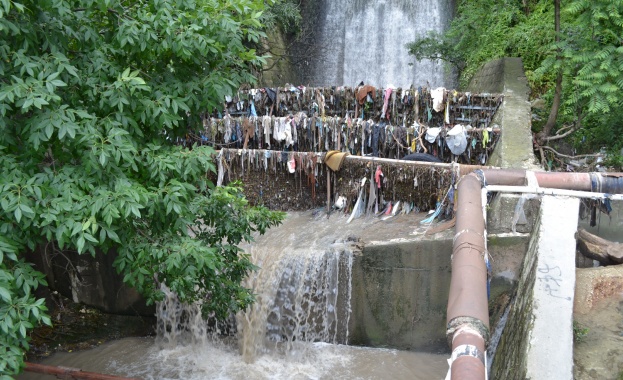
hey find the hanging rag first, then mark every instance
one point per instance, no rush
(252, 111)
(378, 177)
(388, 94)
(485, 137)
(362, 93)
(456, 139)
(292, 165)
(431, 134)
(437, 96)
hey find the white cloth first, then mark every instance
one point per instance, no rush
(431, 134)
(437, 95)
(456, 139)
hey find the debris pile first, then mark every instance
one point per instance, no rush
(296, 181)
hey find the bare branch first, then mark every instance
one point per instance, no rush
(542, 156)
(567, 156)
(567, 133)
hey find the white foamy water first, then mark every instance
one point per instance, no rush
(142, 358)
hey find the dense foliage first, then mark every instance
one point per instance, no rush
(589, 54)
(92, 95)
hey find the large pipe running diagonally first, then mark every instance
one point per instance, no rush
(468, 310)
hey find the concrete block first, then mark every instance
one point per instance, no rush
(550, 351)
(501, 214)
(537, 342)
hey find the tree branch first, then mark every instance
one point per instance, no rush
(567, 156)
(567, 133)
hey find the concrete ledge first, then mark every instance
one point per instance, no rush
(506, 75)
(538, 338)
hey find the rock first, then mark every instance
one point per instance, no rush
(538, 104)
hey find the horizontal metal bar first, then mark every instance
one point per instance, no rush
(548, 191)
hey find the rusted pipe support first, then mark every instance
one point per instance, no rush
(70, 373)
(466, 325)
(468, 368)
(468, 349)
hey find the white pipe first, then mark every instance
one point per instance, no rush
(548, 191)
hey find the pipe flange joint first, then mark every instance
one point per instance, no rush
(468, 350)
(467, 323)
(481, 176)
(596, 184)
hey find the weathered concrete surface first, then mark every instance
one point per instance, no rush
(400, 293)
(400, 287)
(598, 315)
(514, 149)
(506, 209)
(550, 353)
(593, 285)
(506, 76)
(538, 340)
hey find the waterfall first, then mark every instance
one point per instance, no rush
(298, 327)
(364, 40)
(302, 296)
(302, 290)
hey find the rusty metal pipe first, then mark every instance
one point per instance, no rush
(73, 373)
(569, 181)
(468, 311)
(468, 368)
(468, 290)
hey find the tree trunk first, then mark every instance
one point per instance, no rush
(596, 248)
(553, 114)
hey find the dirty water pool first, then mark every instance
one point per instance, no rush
(143, 358)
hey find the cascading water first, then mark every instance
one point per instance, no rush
(297, 329)
(298, 294)
(364, 40)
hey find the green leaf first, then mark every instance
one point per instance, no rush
(49, 129)
(5, 295)
(90, 238)
(80, 244)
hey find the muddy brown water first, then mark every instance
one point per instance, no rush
(143, 358)
(298, 251)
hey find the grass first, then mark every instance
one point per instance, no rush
(579, 333)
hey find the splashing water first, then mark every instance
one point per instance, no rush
(298, 300)
(297, 328)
